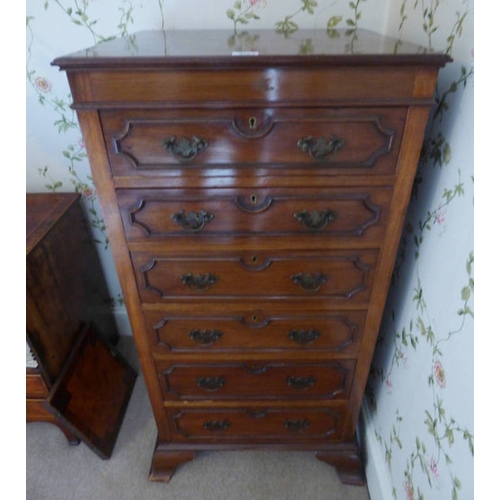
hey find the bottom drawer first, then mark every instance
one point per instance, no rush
(258, 424)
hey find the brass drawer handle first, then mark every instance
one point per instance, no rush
(216, 425)
(297, 425)
(210, 383)
(192, 221)
(205, 337)
(315, 220)
(300, 382)
(185, 149)
(321, 148)
(198, 282)
(309, 282)
(303, 337)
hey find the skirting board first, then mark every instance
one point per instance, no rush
(109, 320)
(122, 322)
(378, 478)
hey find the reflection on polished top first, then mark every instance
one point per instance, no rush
(186, 47)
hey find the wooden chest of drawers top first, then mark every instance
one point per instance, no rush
(178, 66)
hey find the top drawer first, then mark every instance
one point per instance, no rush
(269, 83)
(349, 141)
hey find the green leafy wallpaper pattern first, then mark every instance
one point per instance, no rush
(420, 392)
(422, 370)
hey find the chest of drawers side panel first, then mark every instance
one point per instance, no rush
(90, 126)
(407, 166)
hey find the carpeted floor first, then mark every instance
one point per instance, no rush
(57, 471)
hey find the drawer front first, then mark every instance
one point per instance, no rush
(342, 84)
(258, 424)
(338, 332)
(154, 213)
(35, 386)
(260, 380)
(344, 276)
(357, 140)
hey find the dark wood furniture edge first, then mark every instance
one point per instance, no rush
(42, 229)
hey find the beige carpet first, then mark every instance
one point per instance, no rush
(57, 471)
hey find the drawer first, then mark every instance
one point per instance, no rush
(35, 385)
(342, 275)
(287, 424)
(329, 83)
(338, 332)
(260, 380)
(356, 141)
(342, 213)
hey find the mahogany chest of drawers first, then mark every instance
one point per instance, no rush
(254, 197)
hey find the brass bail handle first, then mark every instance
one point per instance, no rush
(309, 282)
(185, 149)
(198, 282)
(192, 222)
(321, 148)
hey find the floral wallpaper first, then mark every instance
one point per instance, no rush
(418, 411)
(419, 400)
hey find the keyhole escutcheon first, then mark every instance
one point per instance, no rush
(252, 122)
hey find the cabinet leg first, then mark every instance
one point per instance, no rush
(164, 464)
(347, 462)
(73, 440)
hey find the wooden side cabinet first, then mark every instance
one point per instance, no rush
(255, 195)
(63, 277)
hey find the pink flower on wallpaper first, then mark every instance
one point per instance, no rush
(404, 358)
(388, 383)
(81, 143)
(439, 375)
(433, 467)
(254, 2)
(88, 192)
(440, 218)
(409, 491)
(42, 84)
